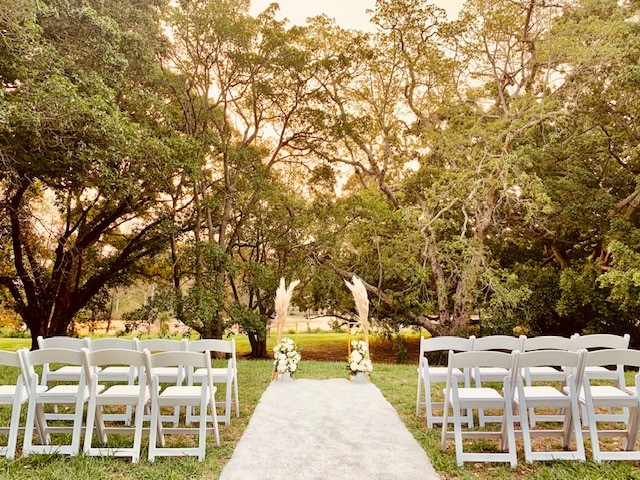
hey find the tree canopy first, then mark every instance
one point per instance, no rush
(479, 167)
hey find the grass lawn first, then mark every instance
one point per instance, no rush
(397, 383)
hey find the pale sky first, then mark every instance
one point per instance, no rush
(347, 13)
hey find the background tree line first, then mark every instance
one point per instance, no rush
(485, 165)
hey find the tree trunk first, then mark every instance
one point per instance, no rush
(258, 345)
(442, 289)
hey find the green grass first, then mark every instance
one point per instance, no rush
(397, 383)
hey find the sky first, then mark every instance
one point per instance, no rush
(347, 13)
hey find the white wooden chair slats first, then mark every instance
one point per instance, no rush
(130, 395)
(492, 374)
(75, 394)
(14, 395)
(227, 375)
(607, 396)
(457, 399)
(429, 375)
(202, 397)
(533, 396)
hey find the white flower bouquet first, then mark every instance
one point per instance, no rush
(286, 357)
(359, 361)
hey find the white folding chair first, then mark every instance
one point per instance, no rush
(458, 399)
(174, 375)
(615, 373)
(545, 373)
(608, 396)
(429, 375)
(137, 395)
(479, 374)
(74, 393)
(202, 397)
(534, 396)
(117, 373)
(14, 395)
(227, 375)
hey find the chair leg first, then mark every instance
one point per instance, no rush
(577, 427)
(153, 428)
(14, 425)
(28, 429)
(418, 399)
(427, 402)
(457, 429)
(227, 399)
(632, 429)
(77, 422)
(202, 428)
(235, 390)
(137, 435)
(508, 424)
(214, 414)
(593, 431)
(525, 417)
(91, 417)
(445, 421)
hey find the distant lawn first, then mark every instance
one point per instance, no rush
(397, 383)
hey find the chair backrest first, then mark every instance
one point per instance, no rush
(31, 359)
(481, 359)
(9, 359)
(162, 345)
(602, 340)
(68, 343)
(498, 342)
(434, 344)
(114, 357)
(572, 363)
(178, 359)
(548, 342)
(113, 343)
(213, 345)
(613, 356)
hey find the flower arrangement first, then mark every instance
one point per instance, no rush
(359, 361)
(286, 357)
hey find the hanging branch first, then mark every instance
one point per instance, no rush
(283, 298)
(361, 299)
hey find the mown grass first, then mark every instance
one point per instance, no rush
(397, 383)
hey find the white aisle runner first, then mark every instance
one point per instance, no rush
(326, 430)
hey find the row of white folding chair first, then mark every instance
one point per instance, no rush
(227, 375)
(522, 343)
(524, 397)
(428, 375)
(515, 394)
(94, 394)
